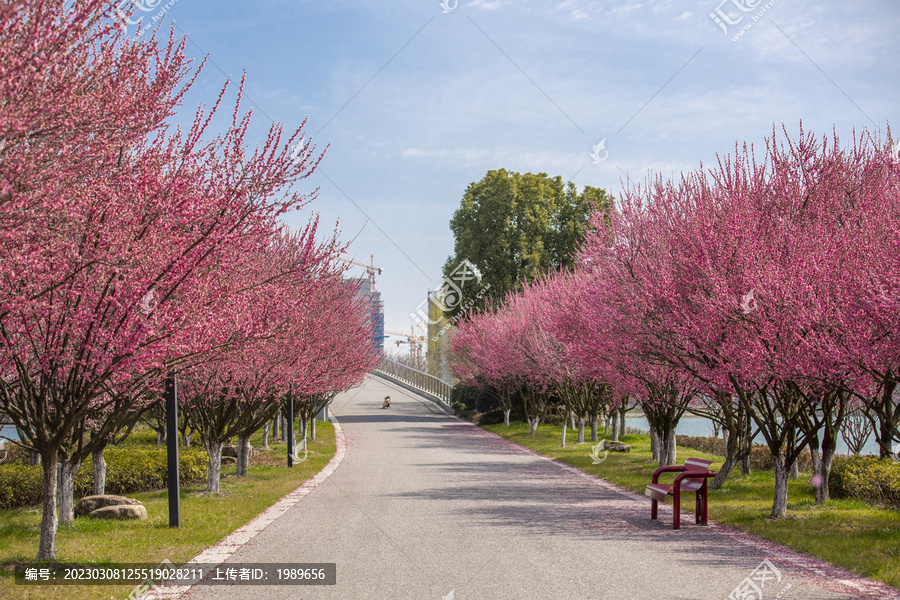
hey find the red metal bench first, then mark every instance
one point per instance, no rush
(693, 476)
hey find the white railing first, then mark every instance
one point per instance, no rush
(429, 384)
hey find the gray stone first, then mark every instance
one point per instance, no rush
(616, 447)
(121, 512)
(231, 450)
(89, 504)
(228, 460)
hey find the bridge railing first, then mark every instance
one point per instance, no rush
(439, 389)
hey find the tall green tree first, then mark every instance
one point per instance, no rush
(516, 227)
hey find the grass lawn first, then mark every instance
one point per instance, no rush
(205, 519)
(844, 532)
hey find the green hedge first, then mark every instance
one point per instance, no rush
(760, 457)
(19, 485)
(869, 478)
(128, 470)
(468, 396)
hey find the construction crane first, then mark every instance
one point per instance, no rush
(415, 342)
(370, 268)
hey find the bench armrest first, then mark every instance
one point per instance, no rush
(691, 475)
(669, 469)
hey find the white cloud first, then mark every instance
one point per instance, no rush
(487, 4)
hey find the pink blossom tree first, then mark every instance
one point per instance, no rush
(236, 389)
(732, 282)
(112, 227)
(482, 354)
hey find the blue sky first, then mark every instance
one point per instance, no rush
(416, 103)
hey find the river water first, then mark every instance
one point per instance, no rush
(7, 431)
(702, 427)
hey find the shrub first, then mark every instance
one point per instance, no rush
(20, 485)
(128, 470)
(465, 395)
(458, 407)
(869, 478)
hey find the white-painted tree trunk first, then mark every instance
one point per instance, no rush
(66, 472)
(243, 456)
(214, 475)
(49, 520)
(99, 472)
(823, 470)
(506, 416)
(782, 472)
(671, 450)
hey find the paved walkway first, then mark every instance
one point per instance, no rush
(425, 506)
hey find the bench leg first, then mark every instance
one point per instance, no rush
(654, 508)
(698, 508)
(676, 509)
(704, 515)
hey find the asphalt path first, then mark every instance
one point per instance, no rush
(423, 505)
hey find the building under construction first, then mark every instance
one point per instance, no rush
(376, 304)
(372, 297)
